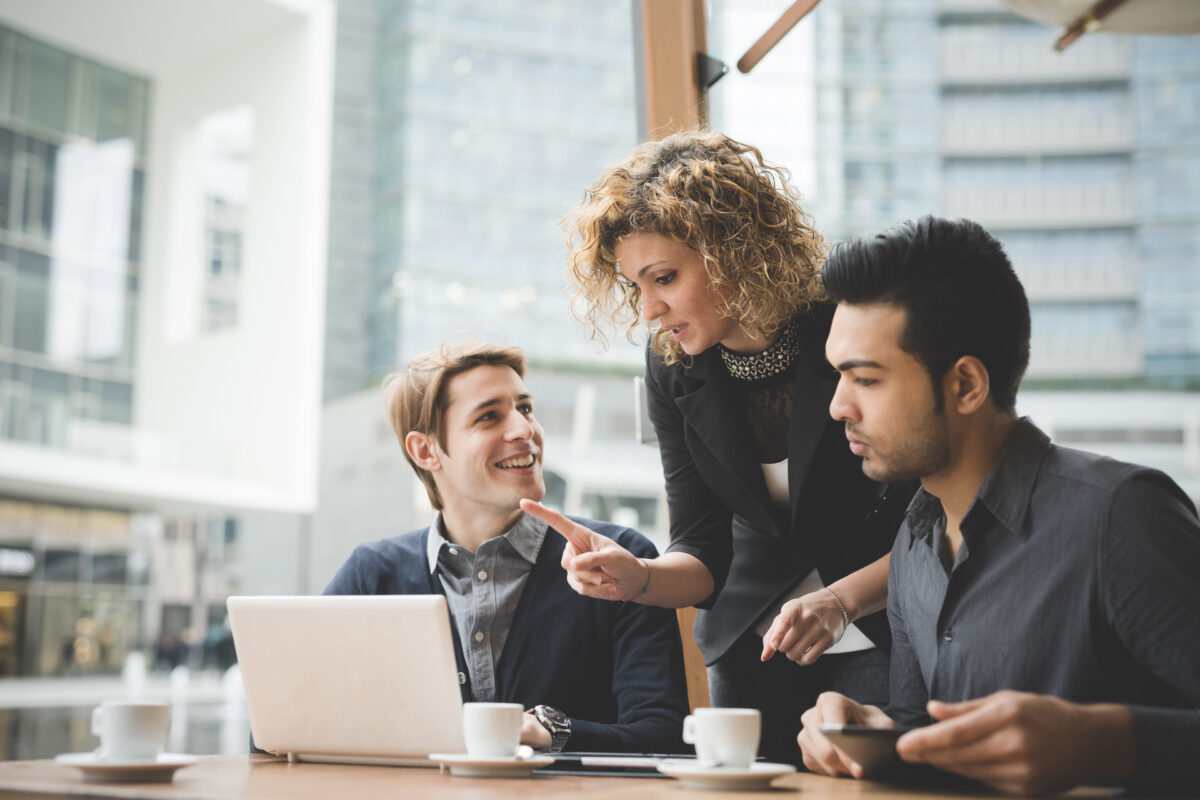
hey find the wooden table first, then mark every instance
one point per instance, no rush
(268, 778)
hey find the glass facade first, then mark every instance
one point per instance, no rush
(72, 143)
(489, 120)
(74, 585)
(1086, 164)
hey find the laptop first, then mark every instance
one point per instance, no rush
(363, 679)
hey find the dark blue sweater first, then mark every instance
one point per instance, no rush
(615, 668)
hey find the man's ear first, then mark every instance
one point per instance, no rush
(968, 385)
(423, 451)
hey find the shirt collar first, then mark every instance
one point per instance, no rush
(434, 542)
(525, 536)
(1005, 493)
(1008, 488)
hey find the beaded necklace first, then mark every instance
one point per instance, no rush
(772, 361)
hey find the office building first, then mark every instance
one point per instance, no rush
(463, 133)
(161, 299)
(1085, 164)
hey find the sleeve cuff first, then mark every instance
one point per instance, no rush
(718, 575)
(1168, 741)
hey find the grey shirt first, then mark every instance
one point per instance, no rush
(1078, 576)
(483, 589)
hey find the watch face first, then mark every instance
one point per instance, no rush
(554, 716)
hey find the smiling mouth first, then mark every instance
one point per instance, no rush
(517, 462)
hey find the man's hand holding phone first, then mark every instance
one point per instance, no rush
(820, 754)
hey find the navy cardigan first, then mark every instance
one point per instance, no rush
(616, 669)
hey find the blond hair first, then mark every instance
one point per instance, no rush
(415, 397)
(720, 198)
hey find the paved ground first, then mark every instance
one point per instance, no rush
(204, 687)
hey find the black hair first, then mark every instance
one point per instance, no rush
(957, 288)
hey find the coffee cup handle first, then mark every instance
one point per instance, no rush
(689, 729)
(96, 720)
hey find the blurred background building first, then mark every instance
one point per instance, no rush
(163, 211)
(222, 222)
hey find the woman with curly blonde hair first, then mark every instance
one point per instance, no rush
(776, 534)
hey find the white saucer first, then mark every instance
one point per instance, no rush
(757, 776)
(467, 766)
(97, 768)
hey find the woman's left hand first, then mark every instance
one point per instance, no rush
(805, 628)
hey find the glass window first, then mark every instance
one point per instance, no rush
(62, 565)
(49, 86)
(46, 422)
(226, 140)
(116, 402)
(68, 291)
(137, 191)
(116, 116)
(108, 568)
(9, 60)
(7, 145)
(104, 332)
(30, 312)
(33, 186)
(6, 309)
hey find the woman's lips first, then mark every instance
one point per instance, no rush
(679, 331)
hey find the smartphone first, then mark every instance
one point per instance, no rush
(873, 748)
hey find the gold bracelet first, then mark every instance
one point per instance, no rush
(845, 616)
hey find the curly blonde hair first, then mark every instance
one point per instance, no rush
(720, 198)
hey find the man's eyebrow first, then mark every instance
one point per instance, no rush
(495, 401)
(858, 363)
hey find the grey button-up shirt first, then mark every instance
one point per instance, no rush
(1078, 576)
(483, 590)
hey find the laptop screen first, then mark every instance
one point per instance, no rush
(369, 676)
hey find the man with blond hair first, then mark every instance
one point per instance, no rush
(594, 676)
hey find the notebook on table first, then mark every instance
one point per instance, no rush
(369, 679)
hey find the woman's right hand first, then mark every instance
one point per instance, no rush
(805, 628)
(596, 565)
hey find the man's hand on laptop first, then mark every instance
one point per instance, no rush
(596, 565)
(534, 733)
(820, 754)
(1024, 743)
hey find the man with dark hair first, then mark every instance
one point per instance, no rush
(595, 675)
(1044, 602)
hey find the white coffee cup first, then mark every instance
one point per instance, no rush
(131, 730)
(724, 737)
(492, 730)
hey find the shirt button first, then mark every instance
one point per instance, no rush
(946, 637)
(479, 636)
(462, 678)
(482, 575)
(453, 551)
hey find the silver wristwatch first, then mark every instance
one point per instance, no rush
(558, 723)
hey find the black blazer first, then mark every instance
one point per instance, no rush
(839, 519)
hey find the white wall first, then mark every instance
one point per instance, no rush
(231, 421)
(244, 402)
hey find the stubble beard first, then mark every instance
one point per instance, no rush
(923, 451)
